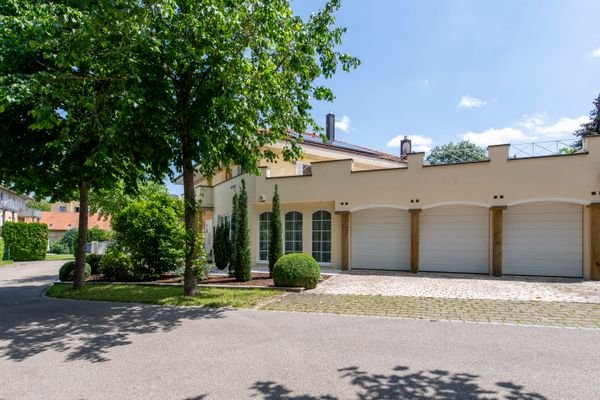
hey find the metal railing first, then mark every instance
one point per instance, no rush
(540, 149)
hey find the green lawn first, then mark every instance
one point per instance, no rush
(165, 295)
(5, 262)
(53, 257)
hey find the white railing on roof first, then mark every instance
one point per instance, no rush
(540, 149)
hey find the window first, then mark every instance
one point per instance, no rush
(63, 208)
(293, 232)
(321, 236)
(76, 209)
(264, 226)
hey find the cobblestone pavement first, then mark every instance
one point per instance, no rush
(462, 287)
(558, 314)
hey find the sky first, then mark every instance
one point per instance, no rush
(439, 71)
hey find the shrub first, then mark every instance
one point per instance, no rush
(243, 265)
(94, 260)
(152, 232)
(96, 234)
(59, 248)
(26, 241)
(117, 265)
(69, 239)
(297, 270)
(66, 271)
(222, 245)
(276, 238)
(1, 249)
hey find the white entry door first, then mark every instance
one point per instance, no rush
(544, 239)
(381, 239)
(454, 239)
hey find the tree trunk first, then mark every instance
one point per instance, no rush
(190, 286)
(79, 272)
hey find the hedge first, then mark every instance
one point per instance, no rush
(66, 271)
(1, 249)
(25, 241)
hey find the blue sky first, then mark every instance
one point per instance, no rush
(509, 71)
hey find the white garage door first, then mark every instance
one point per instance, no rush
(381, 239)
(543, 239)
(454, 239)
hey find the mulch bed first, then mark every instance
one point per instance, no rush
(258, 279)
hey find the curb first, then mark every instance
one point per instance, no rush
(217, 286)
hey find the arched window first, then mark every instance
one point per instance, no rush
(293, 232)
(321, 236)
(264, 235)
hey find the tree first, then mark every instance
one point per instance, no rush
(451, 153)
(67, 104)
(226, 78)
(276, 236)
(592, 127)
(243, 266)
(222, 245)
(39, 204)
(235, 206)
(110, 201)
(152, 233)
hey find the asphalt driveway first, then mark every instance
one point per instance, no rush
(61, 349)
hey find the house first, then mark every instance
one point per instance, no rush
(61, 221)
(13, 207)
(356, 208)
(71, 207)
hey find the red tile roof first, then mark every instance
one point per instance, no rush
(62, 221)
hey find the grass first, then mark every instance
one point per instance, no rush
(164, 295)
(5, 262)
(54, 257)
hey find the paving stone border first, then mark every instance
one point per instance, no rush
(557, 314)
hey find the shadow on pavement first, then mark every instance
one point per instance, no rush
(81, 330)
(404, 384)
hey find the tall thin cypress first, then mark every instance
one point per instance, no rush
(243, 270)
(275, 238)
(234, 241)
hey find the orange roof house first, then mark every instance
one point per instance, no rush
(60, 222)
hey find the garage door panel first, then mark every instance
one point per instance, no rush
(454, 239)
(543, 239)
(381, 239)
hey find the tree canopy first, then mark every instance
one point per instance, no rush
(451, 153)
(592, 127)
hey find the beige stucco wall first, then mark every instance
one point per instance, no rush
(498, 182)
(306, 209)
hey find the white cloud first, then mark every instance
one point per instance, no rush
(497, 136)
(469, 101)
(595, 53)
(419, 142)
(343, 124)
(532, 128)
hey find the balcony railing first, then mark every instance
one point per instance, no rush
(540, 149)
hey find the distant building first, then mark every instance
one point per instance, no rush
(61, 221)
(13, 208)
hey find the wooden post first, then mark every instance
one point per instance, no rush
(497, 240)
(595, 239)
(345, 241)
(414, 240)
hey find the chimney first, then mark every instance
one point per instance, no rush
(330, 127)
(405, 147)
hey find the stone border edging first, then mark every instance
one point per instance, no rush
(210, 285)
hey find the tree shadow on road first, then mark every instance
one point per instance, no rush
(405, 384)
(80, 329)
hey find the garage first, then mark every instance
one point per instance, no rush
(544, 239)
(454, 239)
(381, 239)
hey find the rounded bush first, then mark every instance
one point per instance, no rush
(297, 270)
(118, 266)
(66, 271)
